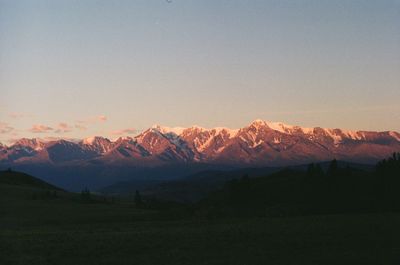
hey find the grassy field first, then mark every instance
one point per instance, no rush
(65, 230)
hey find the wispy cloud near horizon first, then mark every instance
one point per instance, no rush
(125, 131)
(102, 118)
(19, 115)
(5, 128)
(80, 127)
(40, 128)
(92, 120)
(63, 128)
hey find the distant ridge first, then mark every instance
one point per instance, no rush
(261, 143)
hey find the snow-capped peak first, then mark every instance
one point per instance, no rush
(279, 126)
(124, 138)
(230, 132)
(196, 127)
(97, 143)
(257, 142)
(33, 143)
(258, 123)
(165, 130)
(91, 140)
(395, 135)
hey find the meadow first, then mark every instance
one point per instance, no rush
(39, 226)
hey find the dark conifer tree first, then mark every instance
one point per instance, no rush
(318, 171)
(311, 171)
(333, 168)
(138, 199)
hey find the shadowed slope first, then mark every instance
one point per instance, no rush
(21, 179)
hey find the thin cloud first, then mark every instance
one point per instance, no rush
(125, 131)
(19, 115)
(80, 127)
(102, 118)
(53, 138)
(5, 128)
(82, 121)
(92, 120)
(12, 140)
(46, 139)
(63, 128)
(40, 128)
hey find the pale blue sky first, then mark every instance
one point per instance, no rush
(204, 62)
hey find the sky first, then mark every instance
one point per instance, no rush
(74, 69)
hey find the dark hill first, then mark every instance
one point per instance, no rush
(194, 187)
(190, 188)
(295, 192)
(21, 179)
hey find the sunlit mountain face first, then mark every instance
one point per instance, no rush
(260, 143)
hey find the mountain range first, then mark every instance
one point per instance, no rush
(260, 143)
(163, 154)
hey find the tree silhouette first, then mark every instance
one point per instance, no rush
(85, 194)
(138, 199)
(318, 171)
(314, 171)
(333, 168)
(311, 170)
(388, 182)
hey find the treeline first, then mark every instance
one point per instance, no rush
(388, 182)
(316, 191)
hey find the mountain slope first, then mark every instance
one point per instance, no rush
(260, 143)
(21, 179)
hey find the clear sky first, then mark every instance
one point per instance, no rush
(79, 68)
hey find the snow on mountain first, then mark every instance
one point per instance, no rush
(98, 144)
(167, 130)
(395, 135)
(89, 140)
(125, 148)
(207, 143)
(35, 144)
(164, 144)
(259, 143)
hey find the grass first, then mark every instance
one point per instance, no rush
(64, 230)
(40, 224)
